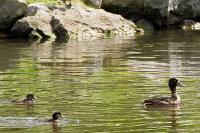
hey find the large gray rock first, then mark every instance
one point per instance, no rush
(10, 12)
(132, 9)
(160, 12)
(36, 23)
(146, 25)
(88, 23)
(156, 10)
(74, 23)
(167, 12)
(188, 8)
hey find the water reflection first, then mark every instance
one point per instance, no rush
(79, 58)
(164, 118)
(56, 128)
(173, 123)
(175, 60)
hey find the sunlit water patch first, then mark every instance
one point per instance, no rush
(20, 122)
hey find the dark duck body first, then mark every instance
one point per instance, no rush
(173, 100)
(56, 116)
(30, 98)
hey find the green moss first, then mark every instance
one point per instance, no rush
(43, 1)
(88, 3)
(109, 34)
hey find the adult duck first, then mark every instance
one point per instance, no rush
(173, 100)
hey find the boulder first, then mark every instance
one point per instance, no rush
(78, 22)
(188, 9)
(88, 23)
(10, 12)
(160, 12)
(131, 9)
(155, 10)
(146, 25)
(35, 24)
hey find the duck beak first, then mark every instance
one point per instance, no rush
(35, 97)
(180, 84)
(61, 116)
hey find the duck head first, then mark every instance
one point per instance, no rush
(173, 83)
(56, 116)
(30, 97)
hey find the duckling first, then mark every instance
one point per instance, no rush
(30, 98)
(56, 116)
(174, 100)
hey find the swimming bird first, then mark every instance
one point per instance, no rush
(56, 116)
(30, 98)
(173, 100)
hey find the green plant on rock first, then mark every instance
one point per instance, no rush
(43, 1)
(109, 33)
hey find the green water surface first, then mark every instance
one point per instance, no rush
(99, 85)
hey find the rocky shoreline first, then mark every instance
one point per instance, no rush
(183, 14)
(45, 21)
(38, 20)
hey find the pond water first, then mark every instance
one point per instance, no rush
(99, 85)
